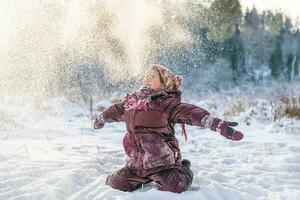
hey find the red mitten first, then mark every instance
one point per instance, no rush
(99, 122)
(225, 129)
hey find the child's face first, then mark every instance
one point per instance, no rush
(151, 80)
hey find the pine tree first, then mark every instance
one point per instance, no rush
(289, 65)
(252, 19)
(234, 52)
(288, 23)
(297, 60)
(275, 62)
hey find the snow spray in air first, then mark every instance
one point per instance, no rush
(68, 47)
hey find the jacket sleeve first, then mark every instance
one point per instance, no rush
(115, 113)
(188, 114)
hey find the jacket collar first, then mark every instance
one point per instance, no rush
(156, 94)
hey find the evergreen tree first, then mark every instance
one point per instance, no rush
(256, 44)
(234, 52)
(275, 62)
(289, 65)
(252, 19)
(288, 23)
(263, 23)
(296, 64)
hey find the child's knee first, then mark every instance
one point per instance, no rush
(119, 183)
(177, 186)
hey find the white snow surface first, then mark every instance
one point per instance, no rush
(49, 151)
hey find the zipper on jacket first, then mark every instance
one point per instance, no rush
(135, 139)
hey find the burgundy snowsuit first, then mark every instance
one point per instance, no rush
(152, 150)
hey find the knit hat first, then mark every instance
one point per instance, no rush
(170, 81)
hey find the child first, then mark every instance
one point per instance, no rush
(152, 150)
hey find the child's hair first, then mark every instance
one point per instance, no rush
(169, 80)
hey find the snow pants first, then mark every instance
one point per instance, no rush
(175, 179)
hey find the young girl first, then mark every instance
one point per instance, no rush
(150, 144)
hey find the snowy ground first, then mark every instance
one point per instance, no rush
(57, 156)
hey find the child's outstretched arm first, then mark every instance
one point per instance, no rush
(114, 113)
(193, 115)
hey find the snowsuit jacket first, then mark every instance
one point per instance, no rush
(150, 143)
